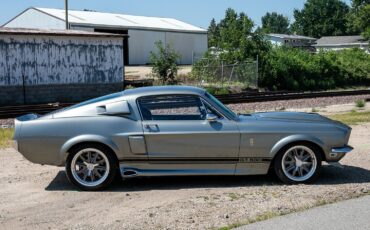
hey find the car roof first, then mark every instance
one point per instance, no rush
(158, 90)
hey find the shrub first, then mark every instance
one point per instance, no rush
(165, 63)
(294, 69)
(360, 103)
(217, 90)
(129, 87)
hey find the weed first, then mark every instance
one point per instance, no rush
(360, 103)
(314, 110)
(6, 136)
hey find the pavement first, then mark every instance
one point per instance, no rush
(350, 214)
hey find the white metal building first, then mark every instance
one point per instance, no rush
(342, 42)
(290, 40)
(143, 31)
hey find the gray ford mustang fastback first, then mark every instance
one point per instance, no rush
(175, 131)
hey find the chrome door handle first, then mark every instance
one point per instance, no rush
(153, 127)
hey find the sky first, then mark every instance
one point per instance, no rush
(196, 12)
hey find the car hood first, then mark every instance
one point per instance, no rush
(291, 116)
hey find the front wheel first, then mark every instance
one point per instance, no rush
(299, 163)
(91, 167)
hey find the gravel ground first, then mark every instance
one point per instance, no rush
(6, 123)
(144, 71)
(40, 197)
(295, 104)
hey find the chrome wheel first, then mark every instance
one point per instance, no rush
(90, 167)
(299, 163)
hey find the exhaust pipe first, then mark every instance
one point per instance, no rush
(128, 173)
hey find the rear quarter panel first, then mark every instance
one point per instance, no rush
(46, 141)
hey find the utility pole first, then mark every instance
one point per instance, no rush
(66, 10)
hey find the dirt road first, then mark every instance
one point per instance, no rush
(40, 197)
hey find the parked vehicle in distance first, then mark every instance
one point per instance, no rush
(176, 131)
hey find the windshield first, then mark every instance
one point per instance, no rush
(225, 110)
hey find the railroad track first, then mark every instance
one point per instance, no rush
(283, 95)
(247, 97)
(18, 110)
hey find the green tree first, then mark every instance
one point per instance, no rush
(321, 18)
(358, 19)
(165, 63)
(275, 23)
(235, 37)
(213, 34)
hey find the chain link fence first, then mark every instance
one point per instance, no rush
(210, 73)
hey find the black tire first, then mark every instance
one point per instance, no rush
(113, 166)
(278, 167)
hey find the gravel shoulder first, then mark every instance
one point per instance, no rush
(40, 197)
(324, 105)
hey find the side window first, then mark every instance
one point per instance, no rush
(172, 107)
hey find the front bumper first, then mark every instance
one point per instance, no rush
(344, 149)
(337, 153)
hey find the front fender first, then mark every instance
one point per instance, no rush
(294, 138)
(86, 138)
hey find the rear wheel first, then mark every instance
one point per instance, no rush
(91, 167)
(298, 163)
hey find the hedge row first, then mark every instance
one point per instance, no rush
(294, 69)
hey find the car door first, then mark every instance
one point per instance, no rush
(176, 130)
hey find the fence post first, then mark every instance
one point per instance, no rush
(222, 72)
(257, 72)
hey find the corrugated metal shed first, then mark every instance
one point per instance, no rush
(59, 57)
(78, 33)
(38, 66)
(143, 32)
(92, 18)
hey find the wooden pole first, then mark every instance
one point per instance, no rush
(66, 11)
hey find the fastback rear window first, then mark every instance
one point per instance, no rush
(106, 97)
(99, 99)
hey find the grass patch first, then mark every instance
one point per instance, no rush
(6, 136)
(314, 110)
(233, 196)
(352, 118)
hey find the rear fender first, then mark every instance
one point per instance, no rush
(86, 138)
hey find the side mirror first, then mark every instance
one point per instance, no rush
(211, 117)
(114, 108)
